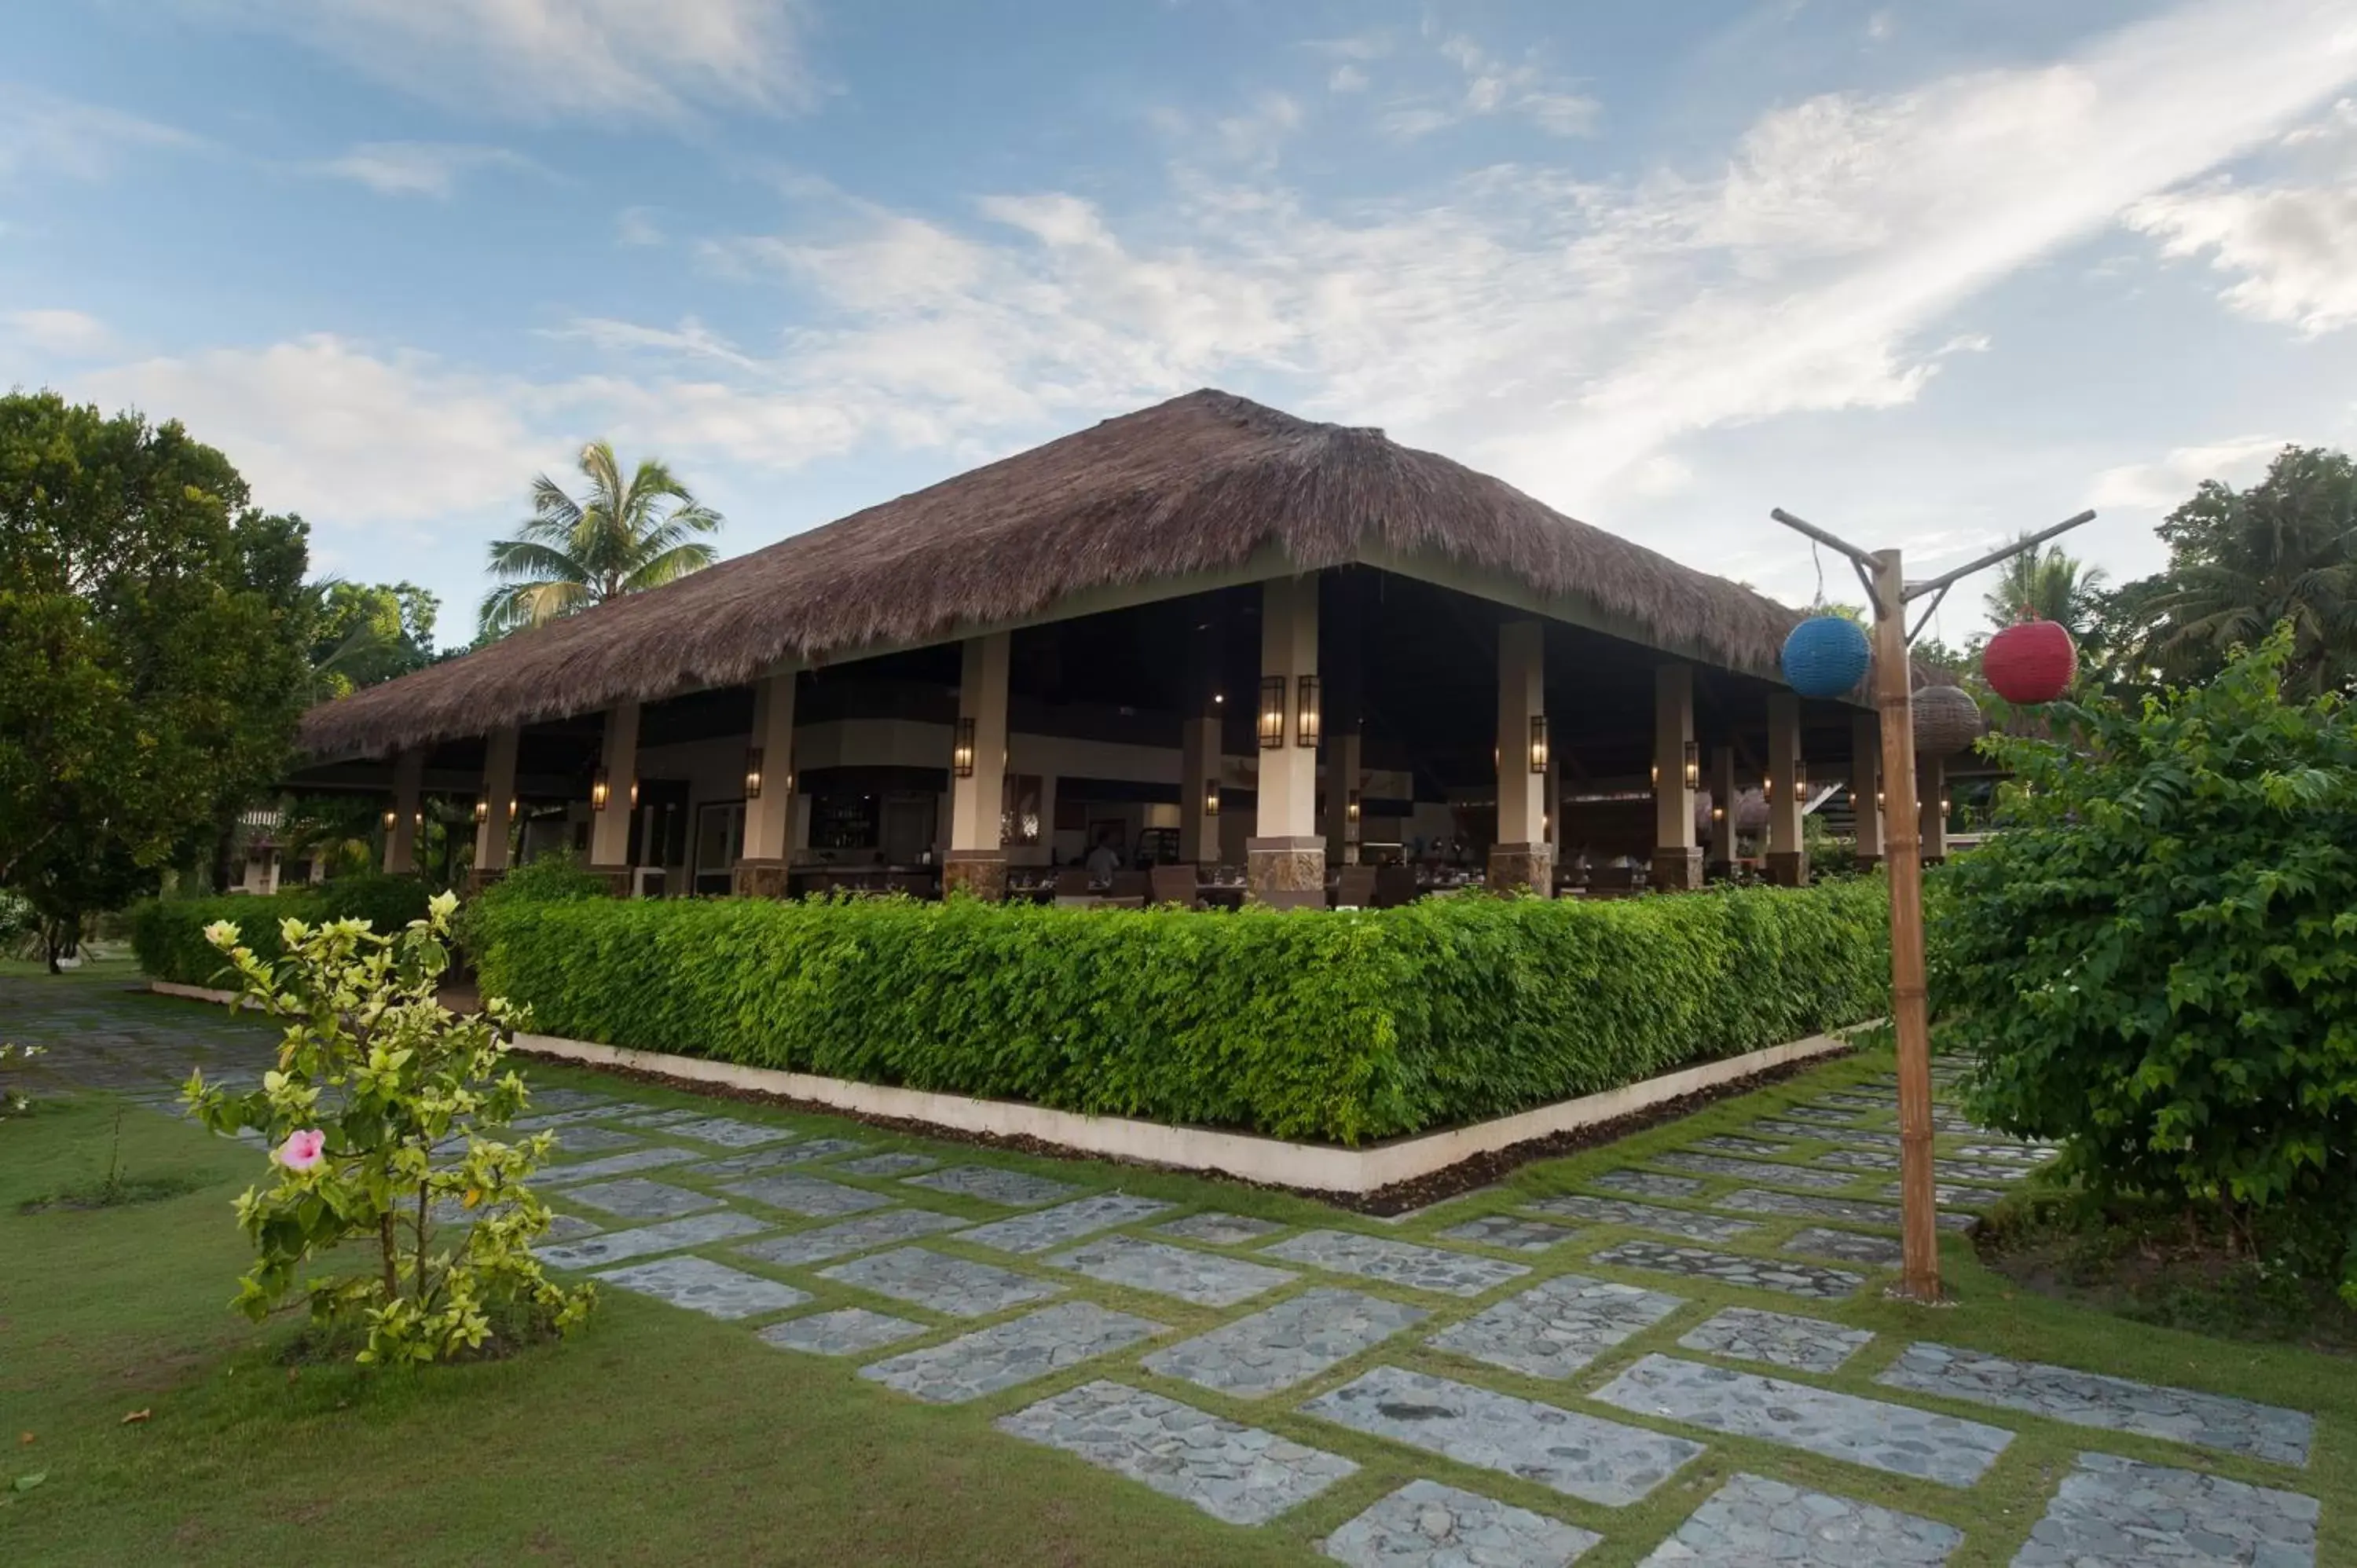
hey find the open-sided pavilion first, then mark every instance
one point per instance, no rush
(1218, 634)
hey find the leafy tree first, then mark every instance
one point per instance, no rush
(2047, 583)
(2239, 561)
(152, 641)
(365, 633)
(627, 535)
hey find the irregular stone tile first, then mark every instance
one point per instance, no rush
(1043, 1229)
(568, 1228)
(2006, 1154)
(2116, 1513)
(809, 1195)
(1556, 1326)
(1825, 1115)
(1207, 1279)
(896, 1164)
(1754, 1170)
(848, 1331)
(1580, 1456)
(956, 1287)
(1778, 1338)
(547, 1099)
(2089, 1399)
(1946, 1170)
(1232, 1472)
(887, 1228)
(825, 1148)
(1396, 1262)
(1852, 1100)
(613, 1166)
(635, 1197)
(1948, 1196)
(573, 1141)
(1754, 1522)
(668, 1117)
(1862, 1139)
(614, 1246)
(1218, 1230)
(754, 1162)
(1286, 1344)
(729, 1132)
(1729, 1268)
(700, 1285)
(1644, 1184)
(1428, 1525)
(1009, 1353)
(1750, 1200)
(1849, 1246)
(1644, 1215)
(1015, 1190)
(1727, 1143)
(1892, 1437)
(1503, 1231)
(543, 1122)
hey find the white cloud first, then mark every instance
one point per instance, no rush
(67, 334)
(418, 169)
(44, 134)
(1492, 86)
(2161, 485)
(558, 59)
(637, 226)
(1346, 79)
(2292, 250)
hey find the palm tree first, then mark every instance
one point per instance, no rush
(2048, 584)
(627, 535)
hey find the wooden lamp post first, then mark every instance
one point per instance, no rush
(1888, 590)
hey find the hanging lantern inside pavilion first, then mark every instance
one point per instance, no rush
(1946, 720)
(1826, 656)
(2030, 661)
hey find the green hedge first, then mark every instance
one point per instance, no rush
(1342, 1028)
(169, 934)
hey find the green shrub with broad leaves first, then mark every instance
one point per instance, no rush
(373, 1076)
(1339, 1026)
(555, 878)
(2155, 960)
(169, 934)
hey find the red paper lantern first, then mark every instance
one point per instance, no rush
(2030, 663)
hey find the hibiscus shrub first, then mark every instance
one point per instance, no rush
(375, 1117)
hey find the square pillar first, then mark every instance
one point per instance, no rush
(977, 857)
(1932, 786)
(1722, 810)
(1342, 777)
(1677, 860)
(1788, 863)
(499, 804)
(1520, 858)
(1284, 860)
(1866, 785)
(1199, 785)
(1555, 801)
(400, 832)
(768, 789)
(609, 824)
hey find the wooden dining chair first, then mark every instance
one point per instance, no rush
(1354, 887)
(1175, 885)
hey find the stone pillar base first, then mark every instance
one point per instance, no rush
(617, 878)
(976, 873)
(1523, 868)
(1788, 868)
(1288, 872)
(1677, 869)
(759, 879)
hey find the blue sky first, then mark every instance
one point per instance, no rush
(1925, 273)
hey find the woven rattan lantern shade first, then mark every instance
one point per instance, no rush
(1946, 720)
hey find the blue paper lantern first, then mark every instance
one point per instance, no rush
(1826, 656)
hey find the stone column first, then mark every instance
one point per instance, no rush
(1520, 858)
(1554, 803)
(498, 805)
(1932, 788)
(1284, 860)
(1199, 779)
(769, 816)
(1677, 859)
(609, 825)
(401, 833)
(1342, 776)
(1722, 810)
(1866, 785)
(977, 859)
(1788, 862)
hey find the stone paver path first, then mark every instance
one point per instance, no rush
(1428, 1525)
(1755, 1522)
(1898, 1438)
(898, 1163)
(1734, 1269)
(2088, 1399)
(1778, 1338)
(1012, 1189)
(729, 1132)
(1064, 1224)
(1396, 1262)
(847, 1331)
(1505, 1231)
(671, 1236)
(1580, 1456)
(700, 1285)
(1556, 1327)
(635, 1197)
(1753, 1200)
(1632, 1182)
(825, 1149)
(1287, 1343)
(955, 1287)
(1232, 1472)
(886, 1228)
(755, 1162)
(1207, 1279)
(1219, 1229)
(1009, 1353)
(572, 1143)
(1755, 1170)
(613, 1166)
(1644, 1215)
(806, 1195)
(2116, 1513)
(1848, 1246)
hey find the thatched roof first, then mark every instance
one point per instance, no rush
(1196, 485)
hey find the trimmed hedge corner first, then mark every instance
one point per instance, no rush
(1337, 1027)
(169, 934)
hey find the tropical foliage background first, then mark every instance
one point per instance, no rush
(624, 535)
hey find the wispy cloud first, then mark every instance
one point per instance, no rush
(637, 226)
(1492, 86)
(420, 168)
(44, 134)
(2166, 480)
(66, 333)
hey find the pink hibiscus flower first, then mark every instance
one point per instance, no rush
(302, 1149)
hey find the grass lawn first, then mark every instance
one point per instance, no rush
(661, 1435)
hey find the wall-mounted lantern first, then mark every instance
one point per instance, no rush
(601, 790)
(961, 750)
(1539, 752)
(482, 811)
(1694, 766)
(752, 773)
(1272, 712)
(1309, 720)
(1211, 797)
(389, 818)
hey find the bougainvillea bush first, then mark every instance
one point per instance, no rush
(2155, 960)
(374, 1119)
